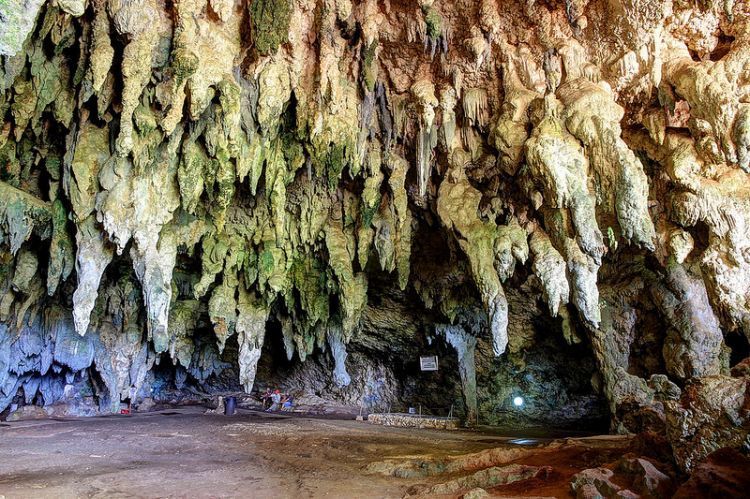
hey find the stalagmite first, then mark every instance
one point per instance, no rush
(464, 344)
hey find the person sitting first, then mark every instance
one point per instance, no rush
(275, 401)
(287, 404)
(266, 399)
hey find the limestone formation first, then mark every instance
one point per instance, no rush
(464, 344)
(712, 414)
(199, 187)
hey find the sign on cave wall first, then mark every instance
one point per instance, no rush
(428, 363)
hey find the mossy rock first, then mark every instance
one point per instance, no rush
(369, 69)
(270, 23)
(434, 22)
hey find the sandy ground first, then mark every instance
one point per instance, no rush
(184, 453)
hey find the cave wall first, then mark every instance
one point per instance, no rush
(531, 182)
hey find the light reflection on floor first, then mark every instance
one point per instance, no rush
(524, 441)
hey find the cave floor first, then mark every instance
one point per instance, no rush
(185, 453)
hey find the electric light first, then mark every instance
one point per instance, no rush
(518, 401)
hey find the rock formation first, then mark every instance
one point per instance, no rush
(552, 194)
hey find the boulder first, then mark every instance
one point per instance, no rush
(741, 369)
(630, 477)
(26, 412)
(713, 413)
(478, 493)
(595, 482)
(645, 478)
(724, 473)
(490, 477)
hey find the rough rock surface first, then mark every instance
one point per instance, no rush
(722, 474)
(489, 477)
(713, 413)
(551, 196)
(629, 477)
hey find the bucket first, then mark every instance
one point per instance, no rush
(230, 404)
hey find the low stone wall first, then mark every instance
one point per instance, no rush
(414, 421)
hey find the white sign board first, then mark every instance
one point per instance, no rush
(428, 363)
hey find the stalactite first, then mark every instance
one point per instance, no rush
(424, 92)
(338, 351)
(475, 106)
(251, 328)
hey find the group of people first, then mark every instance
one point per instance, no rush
(275, 400)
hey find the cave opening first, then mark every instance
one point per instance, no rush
(739, 347)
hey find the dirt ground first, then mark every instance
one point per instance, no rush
(185, 453)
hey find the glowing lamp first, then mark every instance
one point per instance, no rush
(518, 401)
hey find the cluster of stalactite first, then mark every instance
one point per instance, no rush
(256, 160)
